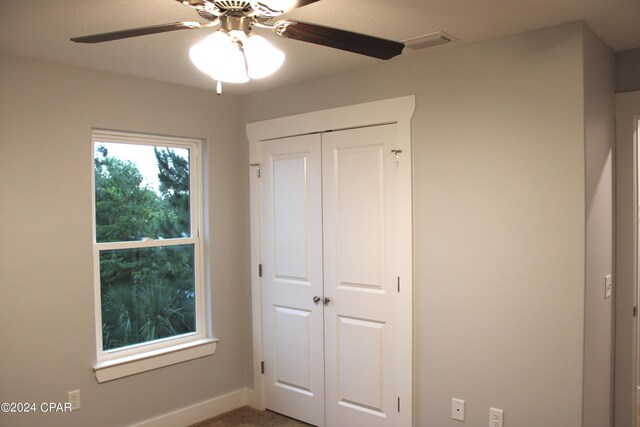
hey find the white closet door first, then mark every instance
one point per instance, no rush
(360, 276)
(292, 277)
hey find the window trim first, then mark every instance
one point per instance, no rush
(129, 360)
(124, 366)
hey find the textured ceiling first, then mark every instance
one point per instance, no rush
(41, 29)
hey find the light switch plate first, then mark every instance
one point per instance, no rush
(608, 286)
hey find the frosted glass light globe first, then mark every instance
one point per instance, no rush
(232, 60)
(219, 57)
(263, 59)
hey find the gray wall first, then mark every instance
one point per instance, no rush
(46, 274)
(499, 219)
(599, 140)
(628, 71)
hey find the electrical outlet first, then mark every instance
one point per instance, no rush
(457, 409)
(74, 399)
(496, 417)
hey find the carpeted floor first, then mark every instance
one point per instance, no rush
(250, 417)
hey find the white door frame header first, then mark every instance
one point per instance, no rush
(394, 110)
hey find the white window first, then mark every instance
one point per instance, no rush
(148, 253)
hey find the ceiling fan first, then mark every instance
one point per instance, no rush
(235, 54)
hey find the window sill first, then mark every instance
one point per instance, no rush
(123, 367)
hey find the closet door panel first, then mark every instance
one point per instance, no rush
(359, 230)
(359, 178)
(360, 364)
(292, 276)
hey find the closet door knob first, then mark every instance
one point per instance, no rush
(327, 301)
(316, 300)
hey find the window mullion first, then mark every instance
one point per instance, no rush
(106, 246)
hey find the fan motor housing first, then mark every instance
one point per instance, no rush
(235, 23)
(243, 5)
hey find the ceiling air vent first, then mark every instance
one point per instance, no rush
(428, 40)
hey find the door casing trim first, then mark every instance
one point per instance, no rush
(626, 258)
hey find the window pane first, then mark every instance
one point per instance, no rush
(142, 191)
(147, 294)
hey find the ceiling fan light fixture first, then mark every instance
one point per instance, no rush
(220, 57)
(230, 59)
(233, 54)
(263, 59)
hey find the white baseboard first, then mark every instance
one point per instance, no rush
(201, 411)
(253, 400)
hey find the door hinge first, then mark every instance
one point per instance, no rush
(262, 367)
(259, 270)
(398, 404)
(398, 284)
(635, 311)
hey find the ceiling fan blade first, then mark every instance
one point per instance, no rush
(283, 5)
(135, 32)
(339, 39)
(299, 3)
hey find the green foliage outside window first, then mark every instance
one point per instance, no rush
(147, 293)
